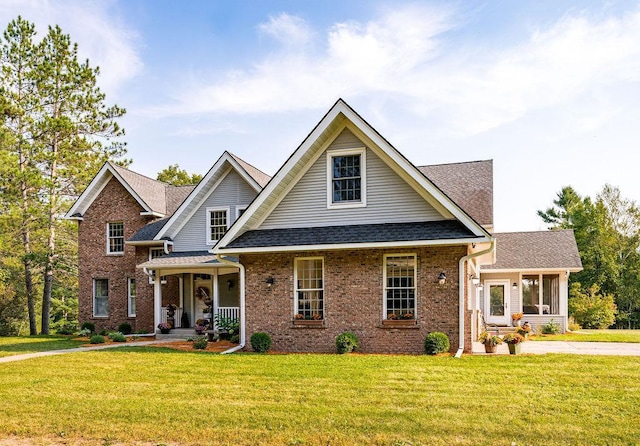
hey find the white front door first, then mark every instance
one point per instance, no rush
(496, 302)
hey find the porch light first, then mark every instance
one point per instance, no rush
(514, 286)
(270, 281)
(442, 278)
(475, 281)
(230, 284)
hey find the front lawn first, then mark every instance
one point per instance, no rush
(163, 396)
(17, 345)
(593, 336)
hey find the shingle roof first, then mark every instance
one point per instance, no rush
(370, 233)
(259, 176)
(175, 195)
(151, 191)
(469, 185)
(536, 250)
(175, 259)
(148, 231)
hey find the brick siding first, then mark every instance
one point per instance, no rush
(353, 300)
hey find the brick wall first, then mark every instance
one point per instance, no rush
(115, 204)
(353, 300)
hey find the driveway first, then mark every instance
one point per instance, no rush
(578, 348)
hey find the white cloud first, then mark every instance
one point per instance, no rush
(101, 35)
(287, 29)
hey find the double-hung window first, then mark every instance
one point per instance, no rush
(400, 286)
(154, 253)
(346, 175)
(115, 238)
(537, 299)
(309, 290)
(217, 224)
(100, 297)
(131, 297)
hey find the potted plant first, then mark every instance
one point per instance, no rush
(164, 327)
(490, 342)
(524, 330)
(201, 326)
(516, 319)
(514, 341)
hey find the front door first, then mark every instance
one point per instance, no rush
(496, 302)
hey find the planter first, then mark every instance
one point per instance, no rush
(308, 323)
(517, 323)
(165, 331)
(398, 322)
(514, 349)
(490, 348)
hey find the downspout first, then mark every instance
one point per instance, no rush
(461, 286)
(226, 261)
(166, 246)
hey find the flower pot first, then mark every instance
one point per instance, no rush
(514, 349)
(490, 348)
(517, 323)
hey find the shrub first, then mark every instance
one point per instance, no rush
(550, 328)
(84, 332)
(590, 309)
(116, 336)
(89, 326)
(235, 339)
(436, 342)
(260, 342)
(346, 342)
(200, 343)
(125, 328)
(67, 328)
(96, 339)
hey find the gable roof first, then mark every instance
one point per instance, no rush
(538, 250)
(156, 198)
(469, 184)
(339, 117)
(225, 164)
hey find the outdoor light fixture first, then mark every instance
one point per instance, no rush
(475, 280)
(480, 287)
(514, 286)
(442, 278)
(270, 281)
(230, 284)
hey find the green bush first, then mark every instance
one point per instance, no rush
(200, 343)
(125, 328)
(591, 309)
(260, 342)
(436, 342)
(235, 339)
(96, 339)
(66, 327)
(89, 326)
(116, 336)
(550, 328)
(346, 342)
(84, 332)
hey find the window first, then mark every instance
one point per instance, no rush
(131, 301)
(309, 288)
(346, 175)
(541, 300)
(115, 238)
(239, 211)
(400, 286)
(154, 253)
(217, 224)
(100, 297)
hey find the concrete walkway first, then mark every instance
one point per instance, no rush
(579, 348)
(80, 349)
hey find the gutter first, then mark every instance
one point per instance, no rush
(461, 286)
(223, 259)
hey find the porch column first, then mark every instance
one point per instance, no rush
(157, 301)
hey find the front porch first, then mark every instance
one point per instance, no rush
(176, 322)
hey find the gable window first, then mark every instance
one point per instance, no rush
(154, 253)
(100, 297)
(115, 238)
(131, 297)
(217, 224)
(347, 179)
(537, 299)
(400, 286)
(309, 288)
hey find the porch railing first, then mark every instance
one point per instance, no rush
(177, 316)
(226, 312)
(229, 312)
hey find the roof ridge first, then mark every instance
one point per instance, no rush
(119, 167)
(456, 163)
(237, 158)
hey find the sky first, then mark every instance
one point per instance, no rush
(547, 89)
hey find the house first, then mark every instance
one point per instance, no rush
(348, 235)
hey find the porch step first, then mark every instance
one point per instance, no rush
(500, 330)
(177, 333)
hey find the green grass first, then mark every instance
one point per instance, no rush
(157, 395)
(17, 345)
(593, 336)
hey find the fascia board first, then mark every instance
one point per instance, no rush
(529, 270)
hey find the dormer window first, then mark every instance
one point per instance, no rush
(346, 178)
(115, 238)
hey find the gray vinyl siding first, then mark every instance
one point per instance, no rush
(232, 192)
(389, 198)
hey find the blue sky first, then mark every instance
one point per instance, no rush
(550, 90)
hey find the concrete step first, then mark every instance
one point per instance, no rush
(177, 333)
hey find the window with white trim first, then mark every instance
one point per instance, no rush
(240, 210)
(543, 299)
(309, 292)
(100, 297)
(400, 286)
(154, 253)
(217, 224)
(115, 238)
(131, 297)
(346, 178)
